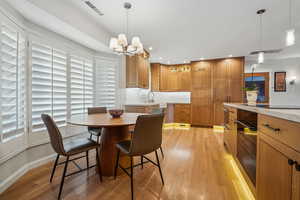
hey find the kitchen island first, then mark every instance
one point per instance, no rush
(265, 143)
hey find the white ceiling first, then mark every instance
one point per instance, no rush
(181, 30)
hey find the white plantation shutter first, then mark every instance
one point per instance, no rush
(106, 83)
(12, 82)
(49, 83)
(88, 84)
(82, 92)
(59, 88)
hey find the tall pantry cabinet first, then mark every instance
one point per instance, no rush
(215, 82)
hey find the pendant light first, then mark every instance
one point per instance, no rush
(290, 34)
(120, 44)
(261, 54)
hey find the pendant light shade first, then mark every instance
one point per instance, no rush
(290, 37)
(261, 57)
(290, 34)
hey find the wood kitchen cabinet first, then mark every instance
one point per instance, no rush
(228, 85)
(230, 131)
(201, 97)
(155, 76)
(278, 169)
(137, 71)
(178, 113)
(274, 174)
(170, 78)
(182, 113)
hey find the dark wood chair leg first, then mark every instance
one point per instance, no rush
(161, 176)
(91, 136)
(54, 167)
(87, 159)
(142, 162)
(99, 165)
(162, 153)
(63, 177)
(117, 164)
(131, 177)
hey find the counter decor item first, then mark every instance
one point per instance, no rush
(280, 82)
(251, 93)
(116, 113)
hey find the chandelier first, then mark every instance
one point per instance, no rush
(120, 44)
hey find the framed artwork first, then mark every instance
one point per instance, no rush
(280, 82)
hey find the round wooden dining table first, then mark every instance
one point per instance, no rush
(114, 131)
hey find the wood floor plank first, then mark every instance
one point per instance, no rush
(195, 167)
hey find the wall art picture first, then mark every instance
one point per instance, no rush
(280, 82)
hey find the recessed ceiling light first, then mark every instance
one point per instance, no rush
(160, 58)
(201, 58)
(230, 56)
(150, 48)
(184, 61)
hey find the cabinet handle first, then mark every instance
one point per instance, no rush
(291, 162)
(271, 128)
(297, 166)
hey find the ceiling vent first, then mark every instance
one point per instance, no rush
(92, 6)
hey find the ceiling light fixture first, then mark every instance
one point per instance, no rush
(150, 48)
(230, 56)
(120, 45)
(290, 34)
(201, 58)
(261, 54)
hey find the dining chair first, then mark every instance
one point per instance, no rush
(159, 111)
(70, 149)
(147, 138)
(95, 131)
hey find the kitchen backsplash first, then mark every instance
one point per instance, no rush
(136, 95)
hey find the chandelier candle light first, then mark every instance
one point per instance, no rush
(120, 45)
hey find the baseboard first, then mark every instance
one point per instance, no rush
(5, 184)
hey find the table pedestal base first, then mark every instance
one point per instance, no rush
(109, 137)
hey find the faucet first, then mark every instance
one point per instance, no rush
(150, 97)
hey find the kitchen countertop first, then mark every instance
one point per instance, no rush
(287, 114)
(141, 104)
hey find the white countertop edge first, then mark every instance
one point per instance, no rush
(287, 114)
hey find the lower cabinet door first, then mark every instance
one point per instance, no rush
(275, 175)
(296, 184)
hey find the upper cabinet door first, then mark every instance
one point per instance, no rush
(131, 71)
(137, 71)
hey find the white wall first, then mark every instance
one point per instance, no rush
(292, 68)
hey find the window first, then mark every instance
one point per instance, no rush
(49, 85)
(106, 83)
(12, 82)
(82, 91)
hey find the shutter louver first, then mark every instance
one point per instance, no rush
(106, 83)
(12, 82)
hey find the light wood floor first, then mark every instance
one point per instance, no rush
(195, 166)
